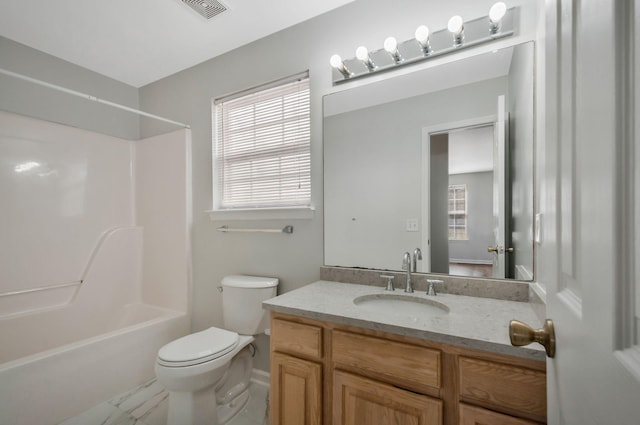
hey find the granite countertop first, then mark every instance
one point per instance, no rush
(479, 323)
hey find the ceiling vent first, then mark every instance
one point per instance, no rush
(206, 8)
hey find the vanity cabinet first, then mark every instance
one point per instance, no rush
(331, 374)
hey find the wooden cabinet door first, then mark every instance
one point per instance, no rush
(296, 391)
(358, 401)
(471, 415)
(509, 389)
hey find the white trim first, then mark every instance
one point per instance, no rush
(630, 359)
(293, 213)
(260, 377)
(456, 125)
(470, 170)
(425, 264)
(426, 178)
(540, 290)
(465, 261)
(523, 273)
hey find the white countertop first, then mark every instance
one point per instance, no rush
(479, 323)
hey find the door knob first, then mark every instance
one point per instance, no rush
(498, 249)
(522, 334)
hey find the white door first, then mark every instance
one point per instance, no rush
(499, 196)
(586, 256)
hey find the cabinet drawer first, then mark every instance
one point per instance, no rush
(510, 389)
(396, 362)
(296, 338)
(471, 415)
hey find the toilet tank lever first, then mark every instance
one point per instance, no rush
(220, 289)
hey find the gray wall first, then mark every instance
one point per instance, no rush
(25, 98)
(439, 211)
(479, 220)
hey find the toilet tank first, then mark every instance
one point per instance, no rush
(242, 298)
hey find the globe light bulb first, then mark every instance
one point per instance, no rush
(497, 12)
(390, 45)
(362, 53)
(456, 25)
(422, 34)
(336, 61)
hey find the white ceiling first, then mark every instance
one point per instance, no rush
(141, 41)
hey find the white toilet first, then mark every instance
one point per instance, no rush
(207, 373)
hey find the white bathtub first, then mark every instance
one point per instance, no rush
(46, 387)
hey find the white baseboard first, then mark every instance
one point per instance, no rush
(260, 377)
(466, 261)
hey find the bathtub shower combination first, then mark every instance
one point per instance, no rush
(95, 264)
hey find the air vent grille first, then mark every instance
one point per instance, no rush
(206, 8)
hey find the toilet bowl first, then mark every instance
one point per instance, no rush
(207, 373)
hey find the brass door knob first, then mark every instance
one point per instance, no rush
(498, 249)
(522, 334)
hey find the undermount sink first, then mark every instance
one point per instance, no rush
(401, 304)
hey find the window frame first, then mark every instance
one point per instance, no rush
(457, 213)
(291, 210)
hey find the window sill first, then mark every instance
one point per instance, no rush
(293, 213)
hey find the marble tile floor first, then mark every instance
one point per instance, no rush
(147, 405)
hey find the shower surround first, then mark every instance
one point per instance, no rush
(95, 271)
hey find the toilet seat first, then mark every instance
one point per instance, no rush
(197, 348)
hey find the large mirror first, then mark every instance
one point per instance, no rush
(440, 159)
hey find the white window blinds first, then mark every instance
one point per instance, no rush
(262, 148)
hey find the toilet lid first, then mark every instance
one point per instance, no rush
(198, 347)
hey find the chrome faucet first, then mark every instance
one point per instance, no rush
(406, 265)
(417, 255)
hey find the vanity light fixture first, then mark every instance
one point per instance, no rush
(496, 13)
(337, 63)
(456, 27)
(426, 44)
(391, 46)
(363, 55)
(422, 36)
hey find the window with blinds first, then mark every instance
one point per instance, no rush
(262, 143)
(458, 212)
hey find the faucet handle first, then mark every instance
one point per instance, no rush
(431, 291)
(389, 282)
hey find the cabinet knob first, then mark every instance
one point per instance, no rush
(522, 334)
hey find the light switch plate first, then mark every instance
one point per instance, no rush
(412, 225)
